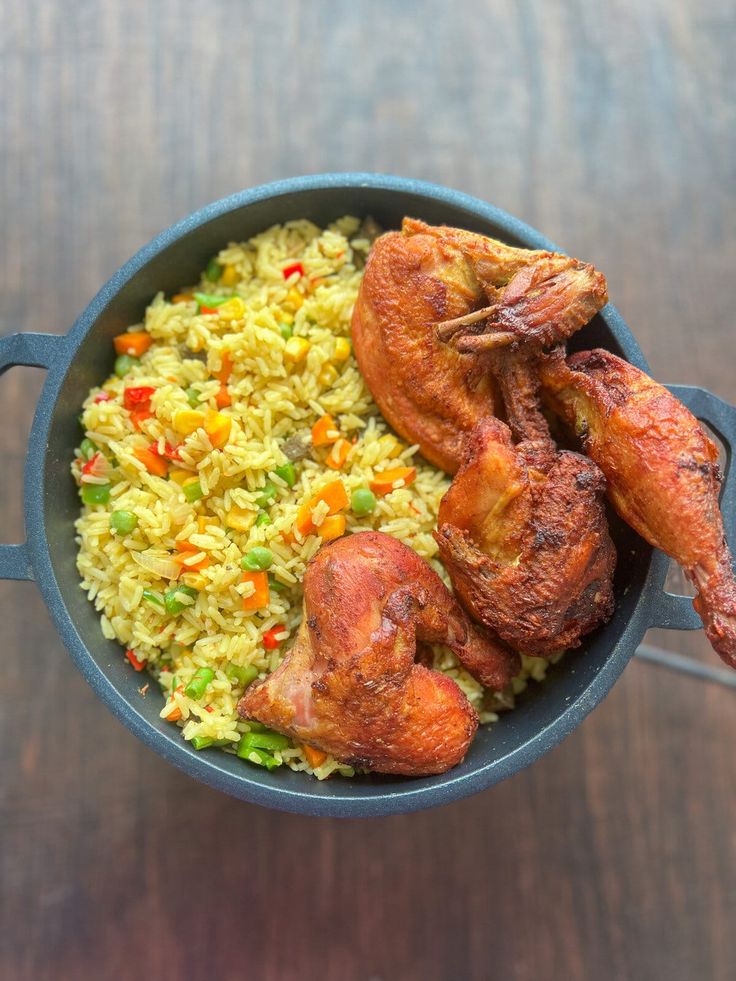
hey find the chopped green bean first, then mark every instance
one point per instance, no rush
(274, 584)
(87, 449)
(363, 501)
(287, 472)
(258, 559)
(266, 497)
(193, 491)
(262, 520)
(201, 742)
(257, 726)
(198, 685)
(210, 299)
(269, 740)
(95, 493)
(123, 364)
(174, 605)
(243, 675)
(123, 522)
(253, 755)
(151, 596)
(193, 397)
(213, 271)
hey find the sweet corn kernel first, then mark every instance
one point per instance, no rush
(342, 349)
(296, 350)
(187, 420)
(181, 477)
(193, 579)
(328, 376)
(240, 519)
(229, 275)
(217, 426)
(234, 309)
(390, 446)
(294, 299)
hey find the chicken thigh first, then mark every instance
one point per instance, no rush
(350, 685)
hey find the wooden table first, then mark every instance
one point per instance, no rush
(608, 126)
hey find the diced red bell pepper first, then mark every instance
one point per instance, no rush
(295, 267)
(138, 396)
(138, 665)
(103, 397)
(274, 637)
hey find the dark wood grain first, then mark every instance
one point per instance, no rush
(608, 126)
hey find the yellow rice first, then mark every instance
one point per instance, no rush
(274, 397)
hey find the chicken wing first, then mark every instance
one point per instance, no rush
(662, 472)
(428, 392)
(350, 685)
(523, 535)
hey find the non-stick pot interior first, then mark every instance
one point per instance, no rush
(178, 262)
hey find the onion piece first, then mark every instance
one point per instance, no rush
(162, 566)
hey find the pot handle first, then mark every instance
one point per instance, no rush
(32, 351)
(670, 610)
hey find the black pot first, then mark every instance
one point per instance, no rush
(545, 713)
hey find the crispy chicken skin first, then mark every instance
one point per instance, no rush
(661, 469)
(523, 534)
(428, 392)
(350, 685)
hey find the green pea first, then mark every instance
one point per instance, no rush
(363, 501)
(287, 472)
(174, 605)
(87, 449)
(213, 271)
(193, 397)
(193, 491)
(156, 599)
(123, 522)
(258, 558)
(262, 520)
(95, 493)
(123, 364)
(266, 497)
(243, 675)
(285, 331)
(198, 685)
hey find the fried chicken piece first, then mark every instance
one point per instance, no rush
(662, 472)
(523, 535)
(429, 393)
(350, 685)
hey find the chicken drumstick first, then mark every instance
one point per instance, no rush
(661, 469)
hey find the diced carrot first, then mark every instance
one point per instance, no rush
(315, 757)
(184, 545)
(174, 715)
(133, 342)
(151, 461)
(333, 494)
(383, 483)
(332, 527)
(338, 454)
(184, 559)
(222, 399)
(324, 431)
(260, 598)
(226, 370)
(182, 298)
